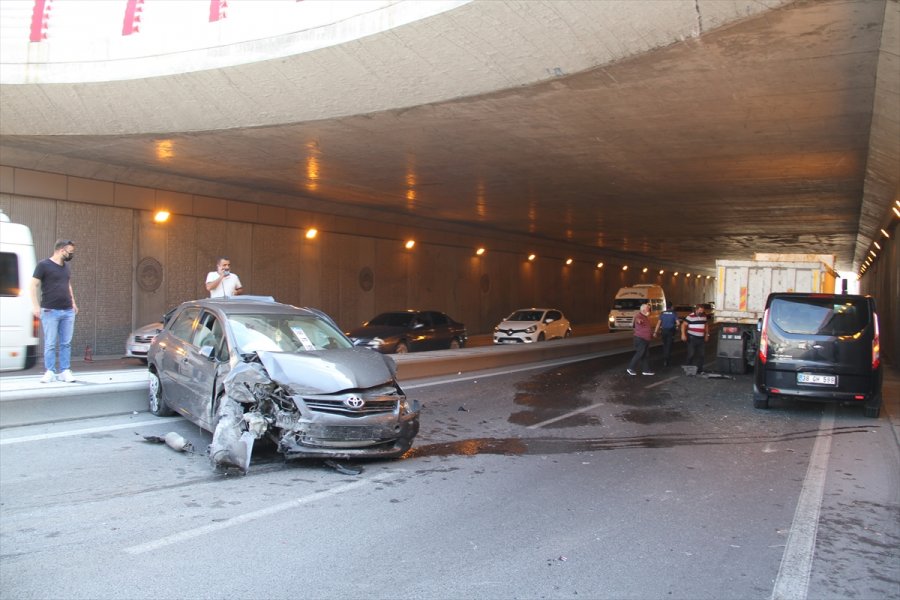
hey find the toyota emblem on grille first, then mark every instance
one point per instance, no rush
(354, 402)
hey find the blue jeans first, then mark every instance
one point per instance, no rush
(58, 326)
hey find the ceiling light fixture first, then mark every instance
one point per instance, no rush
(479, 252)
(410, 244)
(599, 265)
(532, 256)
(161, 216)
(311, 233)
(624, 267)
(885, 234)
(568, 261)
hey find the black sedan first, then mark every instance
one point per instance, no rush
(410, 331)
(247, 369)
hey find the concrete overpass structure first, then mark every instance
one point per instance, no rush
(657, 135)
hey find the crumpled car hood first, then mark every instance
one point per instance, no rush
(329, 371)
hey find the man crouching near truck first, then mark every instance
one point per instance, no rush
(695, 331)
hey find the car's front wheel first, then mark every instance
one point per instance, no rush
(541, 337)
(568, 333)
(158, 404)
(454, 344)
(402, 348)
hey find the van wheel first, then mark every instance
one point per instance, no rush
(873, 409)
(541, 336)
(158, 404)
(760, 400)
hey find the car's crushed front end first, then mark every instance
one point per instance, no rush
(342, 403)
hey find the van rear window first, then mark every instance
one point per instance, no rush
(9, 274)
(820, 316)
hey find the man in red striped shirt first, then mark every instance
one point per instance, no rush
(695, 331)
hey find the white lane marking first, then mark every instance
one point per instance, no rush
(61, 434)
(653, 385)
(255, 515)
(792, 582)
(565, 416)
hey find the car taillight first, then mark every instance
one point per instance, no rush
(764, 338)
(876, 346)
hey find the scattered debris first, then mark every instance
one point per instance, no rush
(462, 409)
(689, 370)
(715, 376)
(345, 470)
(231, 445)
(172, 440)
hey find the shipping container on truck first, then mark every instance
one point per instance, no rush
(742, 287)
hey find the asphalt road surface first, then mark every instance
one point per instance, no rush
(573, 481)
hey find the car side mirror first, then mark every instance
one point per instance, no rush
(759, 325)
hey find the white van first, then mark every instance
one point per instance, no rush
(18, 326)
(628, 302)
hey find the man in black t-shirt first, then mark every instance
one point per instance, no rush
(54, 304)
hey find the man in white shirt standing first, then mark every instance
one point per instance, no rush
(222, 283)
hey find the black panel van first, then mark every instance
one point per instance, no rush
(819, 347)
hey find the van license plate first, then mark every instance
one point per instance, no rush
(813, 378)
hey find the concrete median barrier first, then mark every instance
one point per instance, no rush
(26, 401)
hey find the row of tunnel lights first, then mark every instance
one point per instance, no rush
(162, 216)
(876, 247)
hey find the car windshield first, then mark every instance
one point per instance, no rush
(284, 333)
(629, 303)
(820, 316)
(392, 320)
(526, 315)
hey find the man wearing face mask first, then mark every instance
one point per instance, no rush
(54, 304)
(222, 283)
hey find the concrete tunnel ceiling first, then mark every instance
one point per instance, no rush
(673, 132)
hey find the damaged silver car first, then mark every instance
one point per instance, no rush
(250, 368)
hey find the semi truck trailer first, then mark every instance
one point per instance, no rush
(742, 287)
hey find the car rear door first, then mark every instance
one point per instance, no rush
(427, 337)
(173, 345)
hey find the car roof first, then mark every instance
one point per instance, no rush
(250, 305)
